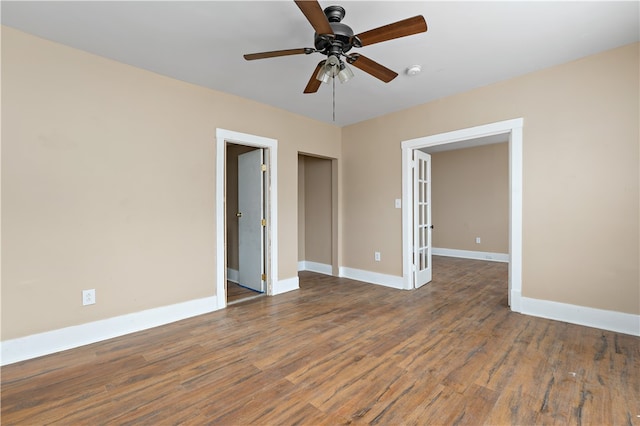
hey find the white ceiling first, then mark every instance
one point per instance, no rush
(468, 44)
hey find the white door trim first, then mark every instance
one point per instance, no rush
(271, 158)
(514, 129)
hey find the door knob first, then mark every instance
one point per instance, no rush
(239, 214)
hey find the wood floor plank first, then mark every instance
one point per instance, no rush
(340, 351)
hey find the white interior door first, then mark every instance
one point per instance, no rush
(422, 227)
(250, 220)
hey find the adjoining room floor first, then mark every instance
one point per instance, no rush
(237, 293)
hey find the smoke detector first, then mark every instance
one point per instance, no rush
(414, 70)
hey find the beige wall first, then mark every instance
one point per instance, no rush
(470, 198)
(581, 177)
(108, 182)
(317, 210)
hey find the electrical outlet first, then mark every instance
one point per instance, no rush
(376, 256)
(88, 297)
(477, 240)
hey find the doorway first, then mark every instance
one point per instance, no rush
(245, 206)
(512, 129)
(239, 143)
(317, 214)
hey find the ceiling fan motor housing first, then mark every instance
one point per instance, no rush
(343, 34)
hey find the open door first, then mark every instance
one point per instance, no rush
(422, 227)
(251, 220)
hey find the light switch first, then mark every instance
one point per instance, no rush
(398, 203)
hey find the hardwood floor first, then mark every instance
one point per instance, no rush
(339, 351)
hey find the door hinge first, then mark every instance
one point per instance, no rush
(263, 167)
(264, 222)
(264, 277)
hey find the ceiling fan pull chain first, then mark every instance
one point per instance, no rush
(334, 98)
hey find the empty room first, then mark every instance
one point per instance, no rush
(301, 212)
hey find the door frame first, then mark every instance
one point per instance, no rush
(512, 128)
(270, 146)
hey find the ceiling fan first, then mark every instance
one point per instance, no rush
(335, 39)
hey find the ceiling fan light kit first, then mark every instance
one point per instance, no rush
(334, 66)
(345, 73)
(335, 39)
(323, 76)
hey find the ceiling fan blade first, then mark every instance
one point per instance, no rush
(372, 67)
(314, 84)
(275, 53)
(403, 28)
(315, 16)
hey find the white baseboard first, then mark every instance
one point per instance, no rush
(283, 286)
(392, 281)
(591, 317)
(516, 301)
(321, 268)
(49, 342)
(232, 275)
(468, 254)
